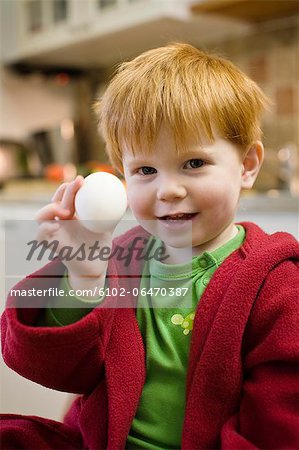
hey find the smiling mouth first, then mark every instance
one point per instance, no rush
(180, 216)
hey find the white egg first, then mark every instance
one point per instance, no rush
(101, 202)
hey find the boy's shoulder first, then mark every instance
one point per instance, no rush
(270, 266)
(268, 247)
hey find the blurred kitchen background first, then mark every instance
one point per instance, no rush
(56, 57)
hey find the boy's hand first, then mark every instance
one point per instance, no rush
(57, 221)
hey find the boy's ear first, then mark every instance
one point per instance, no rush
(252, 161)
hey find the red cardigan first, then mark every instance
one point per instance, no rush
(242, 378)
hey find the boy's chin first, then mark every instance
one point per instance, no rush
(179, 238)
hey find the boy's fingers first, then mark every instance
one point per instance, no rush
(63, 202)
(49, 212)
(57, 197)
(68, 199)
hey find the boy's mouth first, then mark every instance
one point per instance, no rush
(178, 216)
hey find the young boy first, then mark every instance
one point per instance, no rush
(183, 127)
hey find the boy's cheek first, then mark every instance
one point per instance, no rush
(136, 202)
(210, 193)
(215, 195)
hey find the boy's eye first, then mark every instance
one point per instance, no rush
(146, 170)
(194, 163)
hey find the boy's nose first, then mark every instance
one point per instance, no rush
(169, 190)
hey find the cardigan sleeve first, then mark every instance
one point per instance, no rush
(268, 415)
(68, 358)
(75, 307)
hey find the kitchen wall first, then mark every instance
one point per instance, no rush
(270, 55)
(30, 103)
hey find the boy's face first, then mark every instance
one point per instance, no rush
(204, 182)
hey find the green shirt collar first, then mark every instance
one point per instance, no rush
(199, 263)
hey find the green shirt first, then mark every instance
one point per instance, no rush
(165, 320)
(166, 332)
